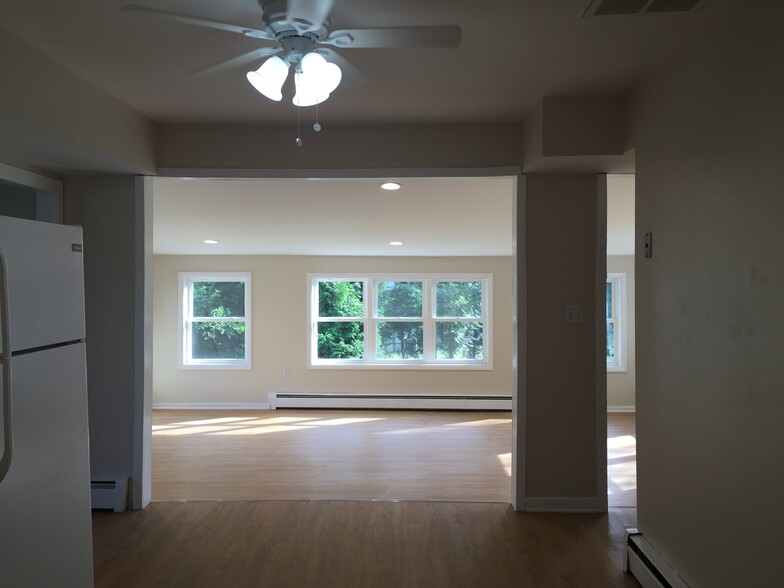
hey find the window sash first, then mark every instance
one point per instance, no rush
(188, 280)
(616, 282)
(371, 320)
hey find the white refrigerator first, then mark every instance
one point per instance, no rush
(45, 517)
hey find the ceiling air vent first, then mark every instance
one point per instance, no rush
(625, 7)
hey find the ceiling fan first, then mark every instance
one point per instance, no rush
(298, 33)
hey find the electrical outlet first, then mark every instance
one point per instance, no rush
(285, 372)
(573, 313)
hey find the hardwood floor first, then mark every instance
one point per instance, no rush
(364, 544)
(331, 455)
(265, 531)
(621, 460)
(343, 455)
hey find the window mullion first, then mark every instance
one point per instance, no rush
(429, 336)
(369, 320)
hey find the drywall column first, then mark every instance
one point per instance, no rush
(107, 208)
(562, 380)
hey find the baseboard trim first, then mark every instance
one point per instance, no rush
(562, 504)
(621, 409)
(388, 401)
(210, 405)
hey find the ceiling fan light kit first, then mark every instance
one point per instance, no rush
(315, 80)
(269, 78)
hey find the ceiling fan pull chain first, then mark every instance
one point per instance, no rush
(316, 125)
(299, 139)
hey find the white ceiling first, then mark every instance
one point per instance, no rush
(513, 52)
(432, 216)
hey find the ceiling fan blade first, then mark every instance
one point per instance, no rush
(235, 62)
(200, 22)
(311, 14)
(396, 37)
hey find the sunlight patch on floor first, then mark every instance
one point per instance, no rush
(214, 421)
(506, 462)
(192, 430)
(263, 430)
(482, 423)
(621, 446)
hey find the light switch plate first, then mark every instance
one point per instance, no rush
(573, 313)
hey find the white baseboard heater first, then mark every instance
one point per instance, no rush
(644, 563)
(389, 401)
(109, 493)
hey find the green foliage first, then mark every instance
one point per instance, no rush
(341, 299)
(218, 299)
(459, 299)
(224, 339)
(610, 342)
(459, 340)
(400, 299)
(399, 340)
(341, 340)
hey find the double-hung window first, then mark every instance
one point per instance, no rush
(400, 321)
(215, 321)
(615, 304)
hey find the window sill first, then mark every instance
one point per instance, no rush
(215, 366)
(402, 366)
(616, 370)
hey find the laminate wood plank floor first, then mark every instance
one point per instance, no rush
(621, 460)
(331, 454)
(308, 454)
(347, 544)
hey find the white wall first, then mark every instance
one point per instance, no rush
(620, 385)
(280, 332)
(710, 302)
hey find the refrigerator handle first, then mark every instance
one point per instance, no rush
(5, 358)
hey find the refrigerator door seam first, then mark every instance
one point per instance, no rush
(5, 459)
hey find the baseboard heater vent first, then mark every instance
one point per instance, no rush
(389, 401)
(644, 563)
(109, 493)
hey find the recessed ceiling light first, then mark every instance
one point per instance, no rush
(396, 243)
(210, 241)
(390, 186)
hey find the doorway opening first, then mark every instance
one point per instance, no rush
(621, 429)
(268, 426)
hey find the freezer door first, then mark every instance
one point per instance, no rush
(45, 517)
(44, 283)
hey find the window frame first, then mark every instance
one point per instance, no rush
(617, 281)
(186, 321)
(370, 320)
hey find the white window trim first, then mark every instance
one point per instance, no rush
(429, 362)
(185, 281)
(618, 281)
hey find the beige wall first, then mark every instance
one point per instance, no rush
(280, 332)
(620, 385)
(710, 302)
